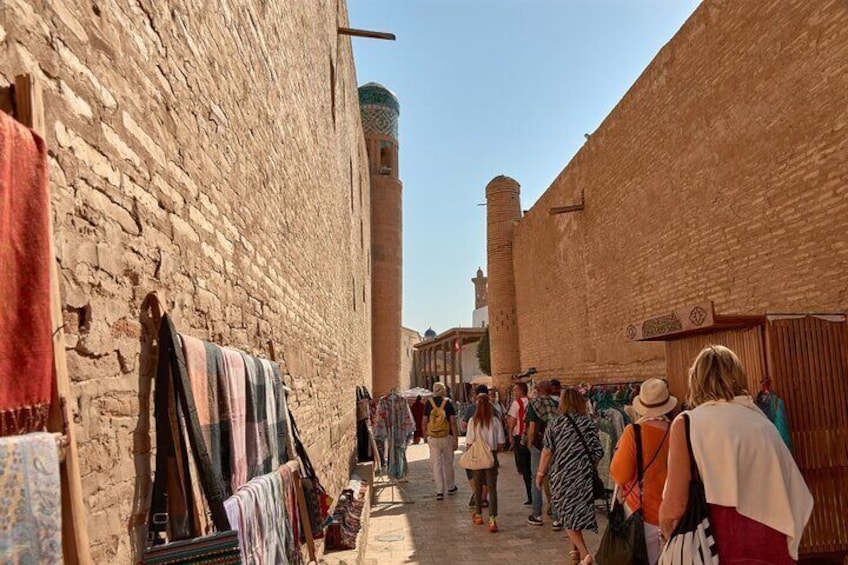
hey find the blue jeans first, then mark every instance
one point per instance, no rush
(536, 492)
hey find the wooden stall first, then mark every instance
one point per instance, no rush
(804, 359)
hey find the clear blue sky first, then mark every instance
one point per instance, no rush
(491, 87)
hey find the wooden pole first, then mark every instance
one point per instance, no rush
(453, 367)
(29, 103)
(305, 522)
(461, 376)
(366, 33)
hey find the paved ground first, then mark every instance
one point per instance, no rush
(435, 533)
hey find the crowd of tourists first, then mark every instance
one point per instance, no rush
(710, 477)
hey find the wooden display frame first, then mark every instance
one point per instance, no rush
(25, 102)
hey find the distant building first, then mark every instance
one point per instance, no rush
(408, 339)
(451, 356)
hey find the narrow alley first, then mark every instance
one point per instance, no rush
(424, 530)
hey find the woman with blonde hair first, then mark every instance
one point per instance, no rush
(572, 449)
(758, 503)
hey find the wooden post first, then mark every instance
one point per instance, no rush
(461, 376)
(453, 367)
(29, 102)
(305, 522)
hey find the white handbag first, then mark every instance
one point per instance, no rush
(478, 457)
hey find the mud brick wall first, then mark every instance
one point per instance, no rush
(213, 152)
(721, 175)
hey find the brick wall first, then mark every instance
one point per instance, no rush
(215, 154)
(721, 175)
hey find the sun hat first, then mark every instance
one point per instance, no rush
(654, 399)
(439, 389)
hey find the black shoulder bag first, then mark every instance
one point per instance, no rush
(623, 542)
(692, 541)
(599, 491)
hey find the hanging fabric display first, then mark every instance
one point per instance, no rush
(318, 502)
(258, 511)
(395, 426)
(222, 429)
(26, 346)
(775, 410)
(30, 487)
(347, 517)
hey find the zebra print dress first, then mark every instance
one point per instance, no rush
(571, 471)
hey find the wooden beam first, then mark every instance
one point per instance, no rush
(305, 522)
(365, 33)
(565, 209)
(29, 107)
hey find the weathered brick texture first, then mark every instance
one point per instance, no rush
(213, 152)
(722, 175)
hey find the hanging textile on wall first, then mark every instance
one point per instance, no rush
(318, 502)
(363, 421)
(293, 533)
(395, 426)
(26, 336)
(775, 410)
(30, 488)
(230, 409)
(258, 511)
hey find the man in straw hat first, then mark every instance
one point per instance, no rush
(443, 439)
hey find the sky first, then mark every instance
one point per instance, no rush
(490, 87)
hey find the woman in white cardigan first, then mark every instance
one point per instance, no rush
(758, 501)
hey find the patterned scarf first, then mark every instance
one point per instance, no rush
(31, 512)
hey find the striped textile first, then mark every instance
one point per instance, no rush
(257, 511)
(266, 422)
(233, 383)
(202, 363)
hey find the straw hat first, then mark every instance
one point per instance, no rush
(654, 399)
(439, 389)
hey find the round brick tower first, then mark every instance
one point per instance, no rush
(380, 112)
(503, 210)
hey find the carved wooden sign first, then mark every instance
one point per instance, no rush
(690, 318)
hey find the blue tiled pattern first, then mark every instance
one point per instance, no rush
(379, 120)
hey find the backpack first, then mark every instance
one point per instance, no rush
(438, 425)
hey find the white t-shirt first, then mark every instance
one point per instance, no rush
(493, 435)
(518, 429)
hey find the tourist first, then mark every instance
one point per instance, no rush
(485, 427)
(466, 417)
(516, 425)
(758, 501)
(418, 417)
(540, 410)
(571, 449)
(652, 406)
(440, 423)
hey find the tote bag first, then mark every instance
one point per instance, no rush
(623, 542)
(692, 541)
(478, 457)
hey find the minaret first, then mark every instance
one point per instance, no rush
(480, 300)
(380, 112)
(503, 210)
